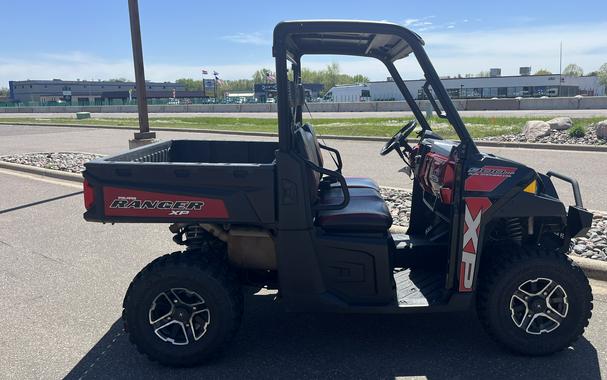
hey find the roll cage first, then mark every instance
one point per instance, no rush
(384, 41)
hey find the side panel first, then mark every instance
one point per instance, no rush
(231, 193)
(357, 268)
(474, 209)
(136, 203)
(489, 184)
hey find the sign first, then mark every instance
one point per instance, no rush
(209, 83)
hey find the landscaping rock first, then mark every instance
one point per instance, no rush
(535, 129)
(601, 129)
(560, 123)
(65, 161)
(558, 137)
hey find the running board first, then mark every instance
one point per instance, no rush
(417, 288)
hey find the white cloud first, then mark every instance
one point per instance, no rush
(453, 51)
(78, 65)
(255, 38)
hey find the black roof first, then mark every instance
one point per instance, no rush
(382, 40)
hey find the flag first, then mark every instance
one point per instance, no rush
(219, 81)
(215, 73)
(270, 76)
(204, 72)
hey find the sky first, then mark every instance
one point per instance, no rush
(90, 40)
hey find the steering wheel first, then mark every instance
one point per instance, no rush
(399, 138)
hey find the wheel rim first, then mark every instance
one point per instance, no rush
(179, 316)
(539, 306)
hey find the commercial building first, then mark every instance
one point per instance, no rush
(470, 88)
(90, 92)
(265, 91)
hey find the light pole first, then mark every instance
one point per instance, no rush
(144, 136)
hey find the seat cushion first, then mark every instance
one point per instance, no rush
(358, 182)
(354, 182)
(366, 212)
(334, 195)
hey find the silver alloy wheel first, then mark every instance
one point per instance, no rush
(179, 316)
(539, 306)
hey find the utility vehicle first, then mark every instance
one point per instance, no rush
(484, 232)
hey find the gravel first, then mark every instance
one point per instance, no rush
(593, 245)
(555, 137)
(65, 161)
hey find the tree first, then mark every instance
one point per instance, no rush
(484, 74)
(260, 76)
(543, 72)
(573, 70)
(3, 91)
(602, 74)
(121, 79)
(190, 84)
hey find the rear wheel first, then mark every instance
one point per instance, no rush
(534, 302)
(183, 308)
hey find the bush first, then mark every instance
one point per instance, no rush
(577, 131)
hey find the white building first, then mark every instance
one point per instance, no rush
(470, 88)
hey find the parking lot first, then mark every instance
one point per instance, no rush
(63, 280)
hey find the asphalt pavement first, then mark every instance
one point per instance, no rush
(326, 115)
(62, 281)
(360, 158)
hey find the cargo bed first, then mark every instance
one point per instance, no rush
(184, 180)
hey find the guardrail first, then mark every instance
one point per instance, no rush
(595, 102)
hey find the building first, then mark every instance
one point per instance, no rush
(89, 92)
(240, 97)
(471, 88)
(265, 91)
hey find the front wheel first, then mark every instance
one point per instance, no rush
(534, 302)
(183, 308)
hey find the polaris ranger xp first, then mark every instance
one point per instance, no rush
(484, 232)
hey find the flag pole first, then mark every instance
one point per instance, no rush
(561, 69)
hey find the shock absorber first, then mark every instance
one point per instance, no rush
(514, 230)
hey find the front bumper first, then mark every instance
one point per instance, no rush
(579, 220)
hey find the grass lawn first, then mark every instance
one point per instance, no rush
(478, 126)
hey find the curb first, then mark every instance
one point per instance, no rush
(58, 174)
(481, 143)
(594, 269)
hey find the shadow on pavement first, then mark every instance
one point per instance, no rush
(275, 344)
(39, 202)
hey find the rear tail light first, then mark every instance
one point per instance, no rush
(89, 195)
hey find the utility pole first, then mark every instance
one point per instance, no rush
(144, 136)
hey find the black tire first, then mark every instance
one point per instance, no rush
(517, 267)
(204, 276)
